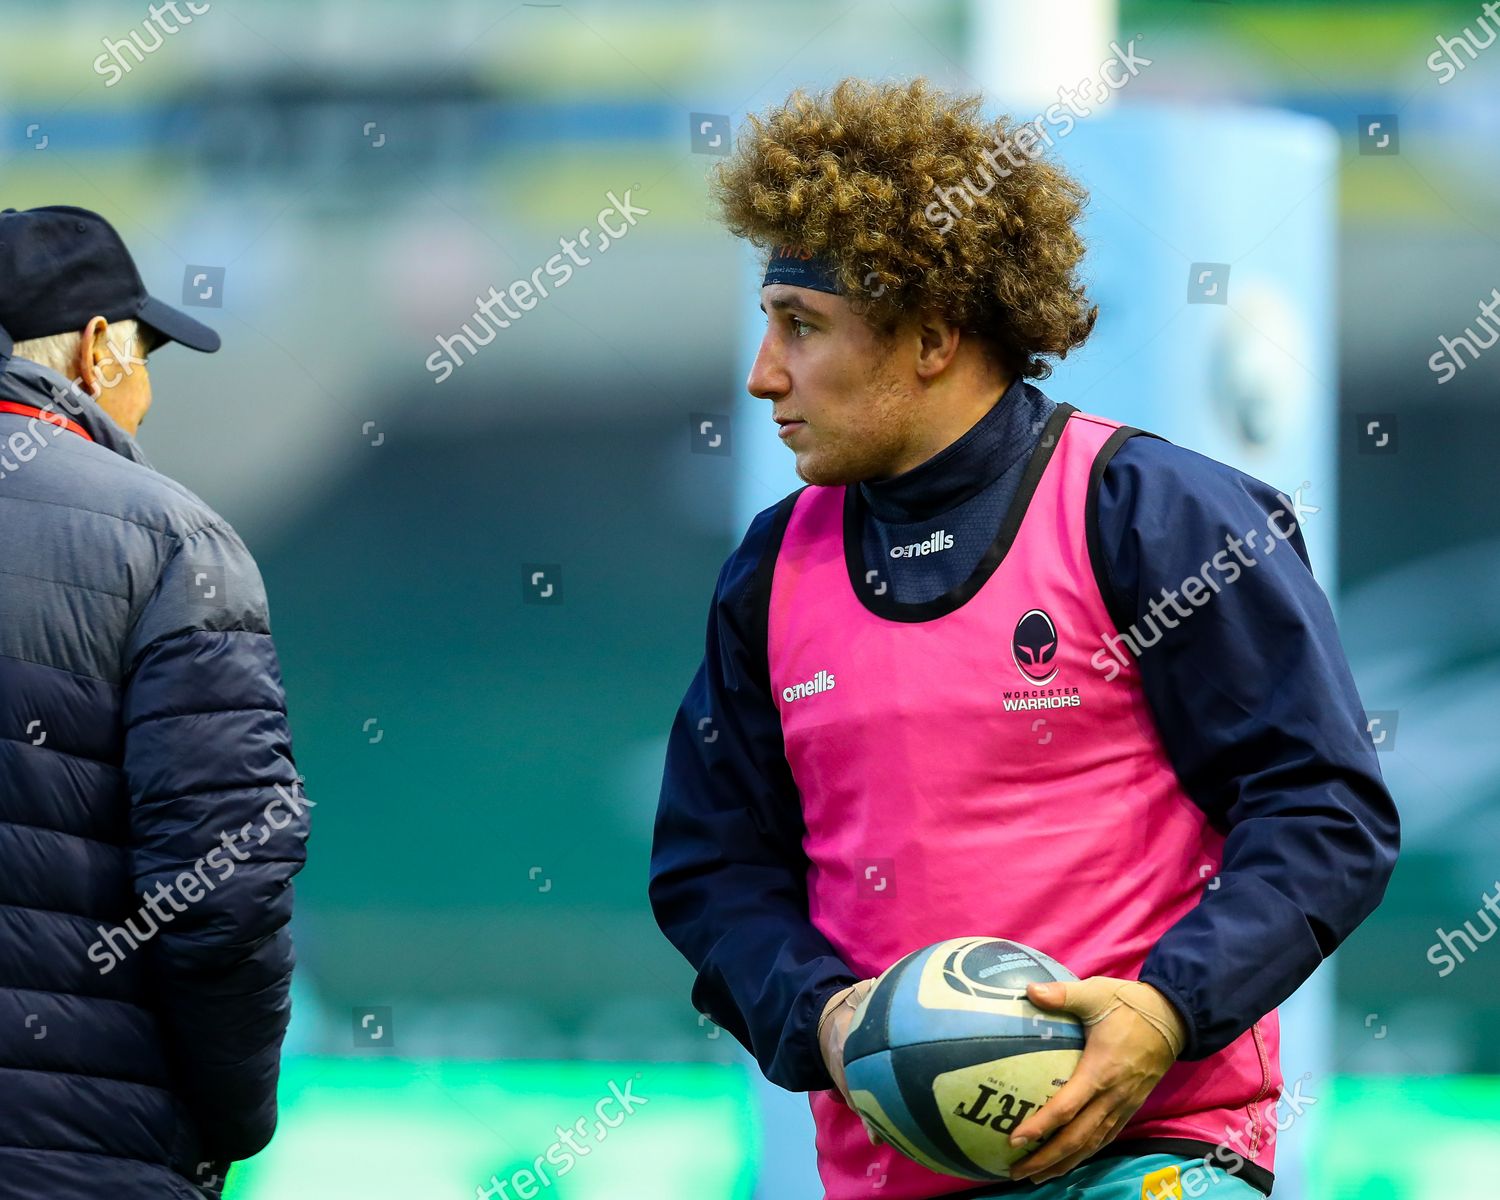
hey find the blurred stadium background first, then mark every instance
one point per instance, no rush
(477, 961)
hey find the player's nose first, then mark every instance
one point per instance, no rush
(768, 375)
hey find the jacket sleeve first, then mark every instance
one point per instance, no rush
(218, 828)
(728, 875)
(1256, 706)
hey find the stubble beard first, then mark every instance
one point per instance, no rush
(867, 452)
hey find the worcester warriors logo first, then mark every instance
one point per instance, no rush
(1034, 647)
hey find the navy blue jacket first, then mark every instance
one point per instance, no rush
(1252, 698)
(150, 822)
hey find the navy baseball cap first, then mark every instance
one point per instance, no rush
(61, 266)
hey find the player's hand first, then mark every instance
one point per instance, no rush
(833, 1029)
(1132, 1034)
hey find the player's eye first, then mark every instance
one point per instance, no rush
(799, 324)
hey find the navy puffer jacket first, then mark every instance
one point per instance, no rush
(150, 820)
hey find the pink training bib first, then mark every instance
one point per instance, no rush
(980, 771)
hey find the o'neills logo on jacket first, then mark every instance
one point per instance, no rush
(939, 540)
(821, 682)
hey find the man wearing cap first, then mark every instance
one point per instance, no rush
(1006, 669)
(150, 815)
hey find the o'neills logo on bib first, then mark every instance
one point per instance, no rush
(821, 682)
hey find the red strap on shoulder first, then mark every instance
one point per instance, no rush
(31, 410)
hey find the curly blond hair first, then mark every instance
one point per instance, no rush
(851, 174)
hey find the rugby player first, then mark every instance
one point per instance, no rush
(1002, 666)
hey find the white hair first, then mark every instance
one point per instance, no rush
(59, 351)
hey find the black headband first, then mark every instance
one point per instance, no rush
(799, 267)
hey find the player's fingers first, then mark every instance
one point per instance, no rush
(1043, 1175)
(1116, 1123)
(1047, 995)
(1088, 999)
(1062, 1108)
(1082, 1136)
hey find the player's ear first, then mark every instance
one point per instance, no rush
(937, 343)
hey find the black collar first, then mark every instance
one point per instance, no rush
(873, 590)
(1005, 435)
